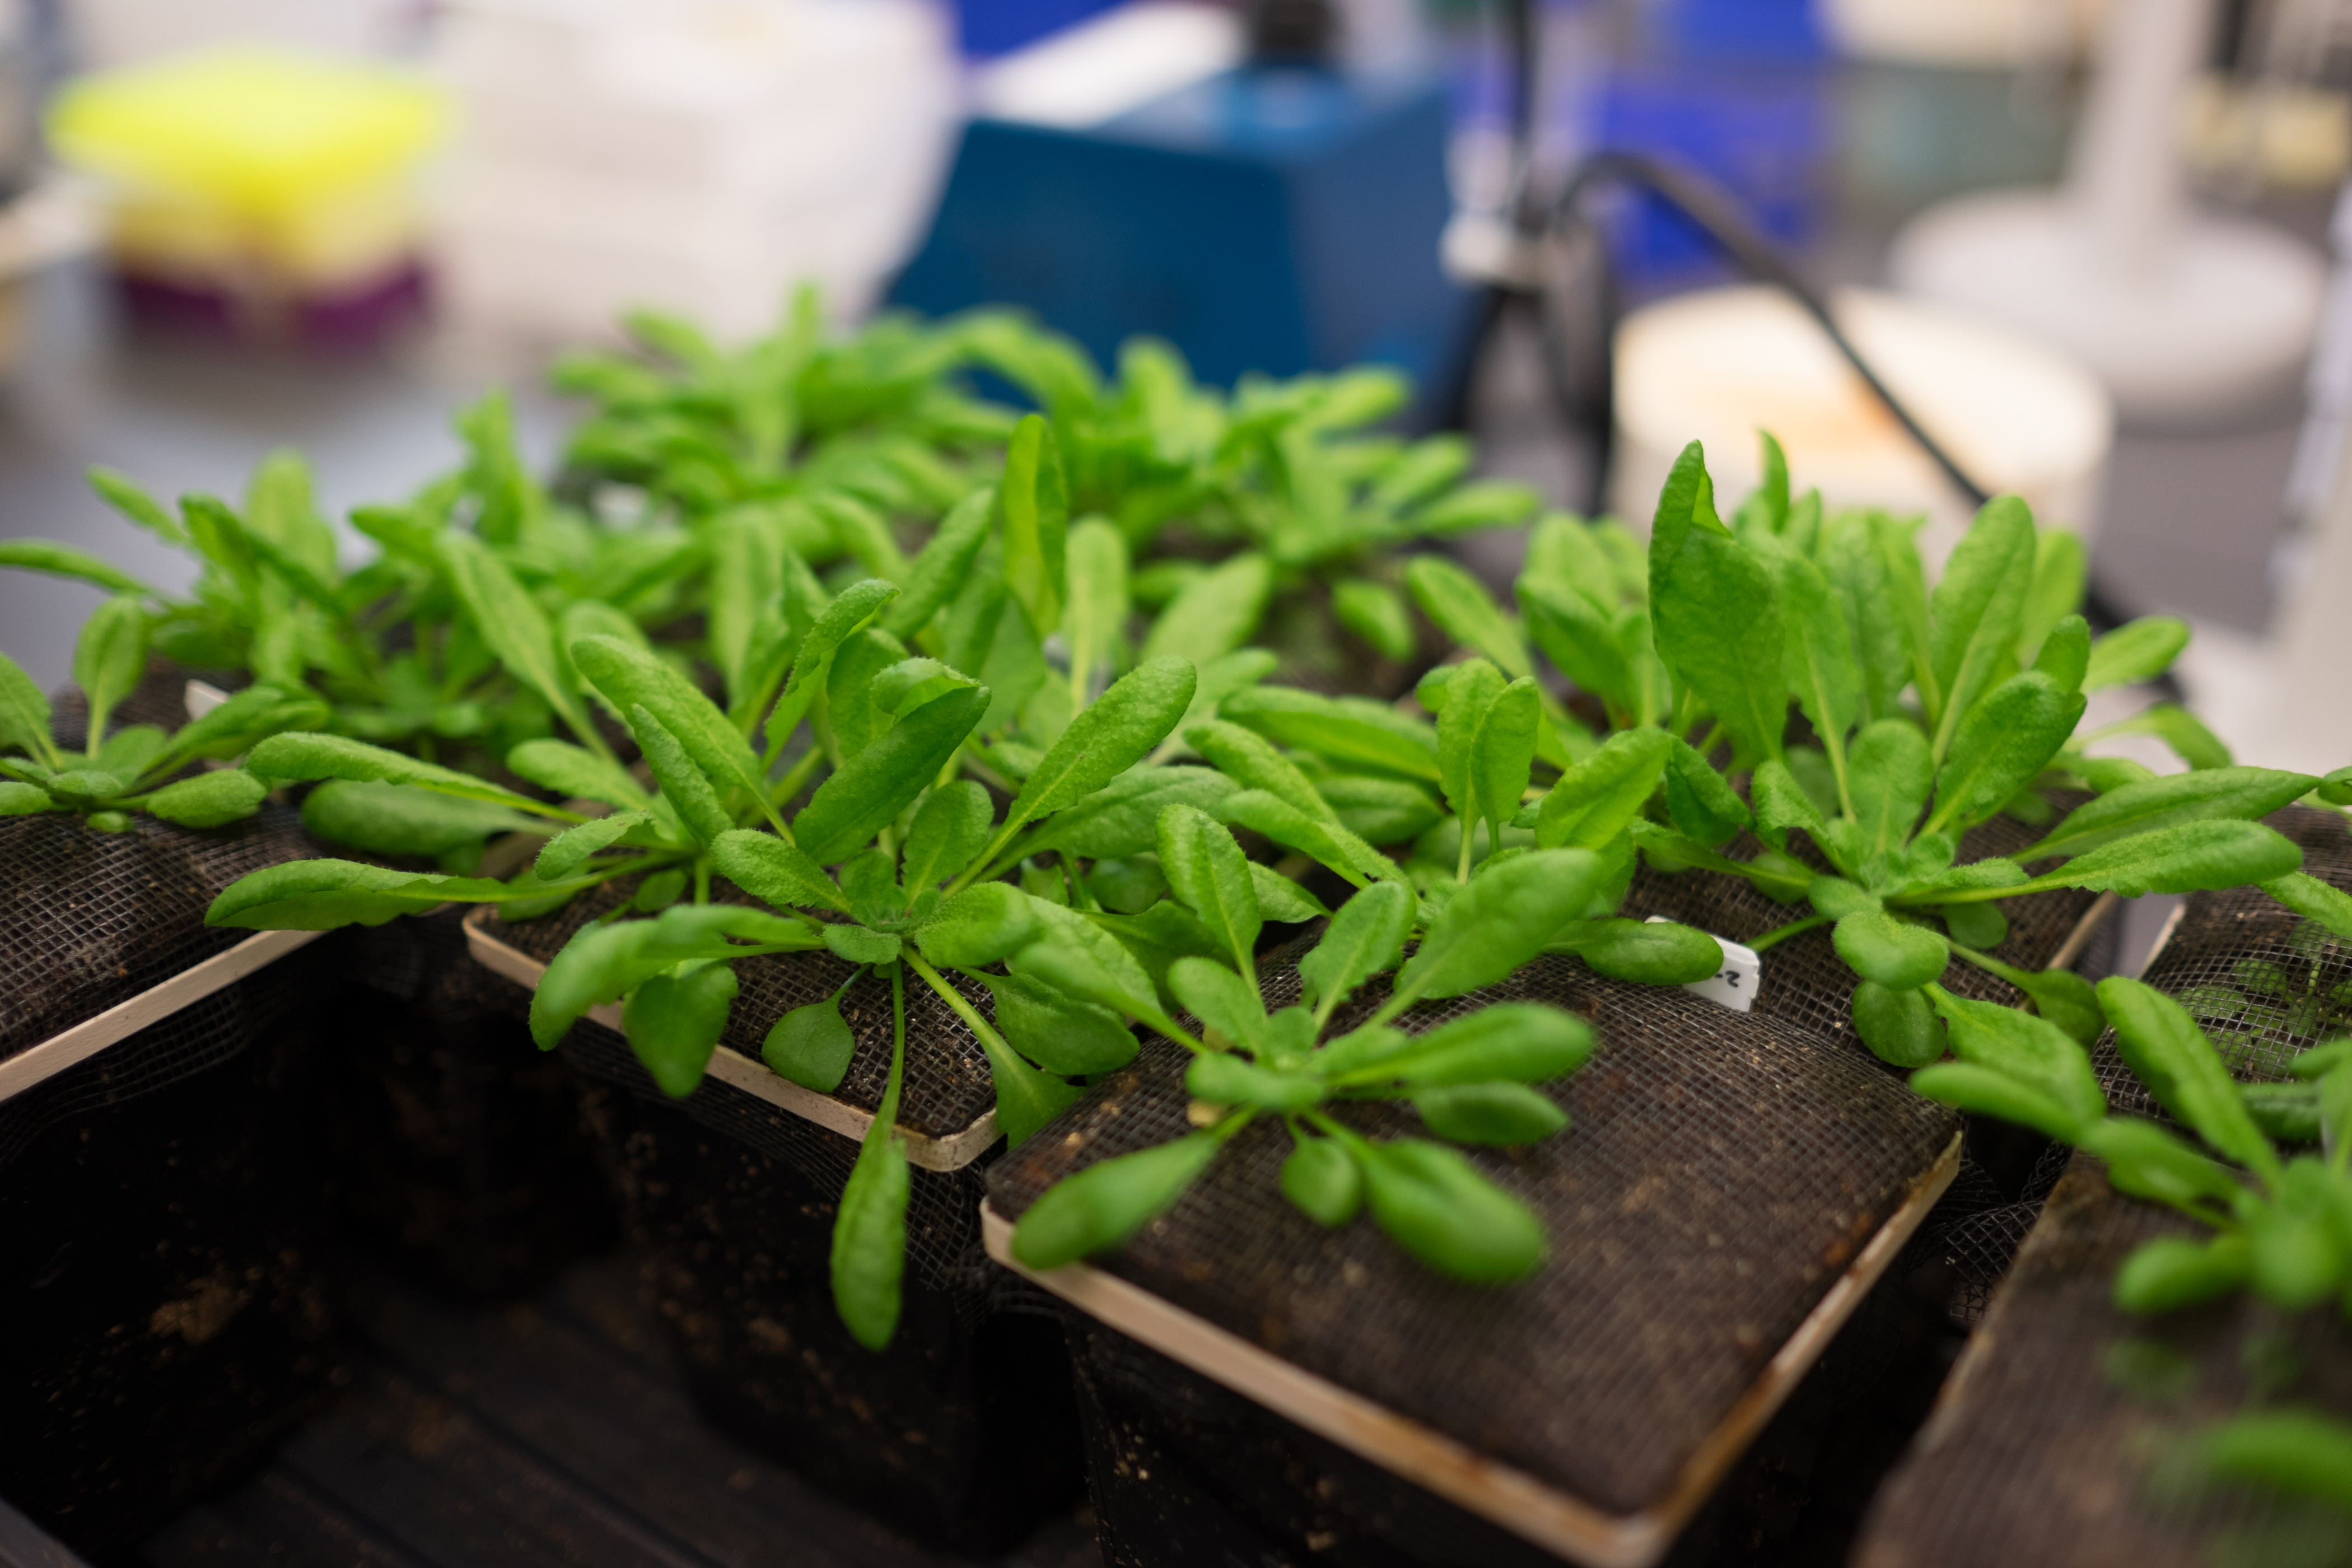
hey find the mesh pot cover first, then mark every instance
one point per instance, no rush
(1724, 1172)
(2047, 1444)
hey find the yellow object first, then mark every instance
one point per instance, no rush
(255, 169)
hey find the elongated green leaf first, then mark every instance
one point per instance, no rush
(2065, 654)
(1110, 736)
(1495, 1114)
(511, 622)
(1582, 641)
(1975, 610)
(1469, 693)
(1457, 605)
(126, 496)
(1082, 959)
(768, 867)
(938, 571)
(1501, 918)
(1502, 751)
(402, 819)
(1698, 800)
(1123, 816)
(869, 1232)
(2061, 572)
(1377, 613)
(1647, 953)
(2173, 1271)
(296, 757)
(18, 799)
(1890, 770)
(2314, 899)
(564, 855)
(951, 827)
(873, 787)
(2136, 651)
(1223, 1001)
(2233, 792)
(1034, 504)
(1206, 868)
(1059, 1032)
(1330, 843)
(982, 925)
(633, 677)
(2298, 1452)
(1902, 1030)
(321, 895)
(24, 715)
(1781, 804)
(1436, 1205)
(1967, 1087)
(1252, 760)
(1822, 668)
(59, 561)
(1519, 1042)
(109, 657)
(1720, 628)
(1095, 618)
(1215, 613)
(2001, 744)
(212, 799)
(1851, 560)
(1365, 938)
(844, 618)
(1352, 732)
(575, 772)
(684, 787)
(1322, 1182)
(2033, 1051)
(2170, 1054)
(2193, 856)
(1100, 1206)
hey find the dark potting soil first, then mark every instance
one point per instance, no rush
(947, 1085)
(1723, 1170)
(2049, 1443)
(162, 1207)
(960, 1434)
(1804, 979)
(458, 1146)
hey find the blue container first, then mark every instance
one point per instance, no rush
(1270, 220)
(986, 29)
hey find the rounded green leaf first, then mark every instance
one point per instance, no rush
(1899, 1026)
(1322, 1182)
(672, 1022)
(983, 925)
(1897, 956)
(213, 799)
(1059, 1032)
(1979, 926)
(856, 945)
(2173, 1271)
(1647, 953)
(1493, 1113)
(1434, 1203)
(811, 1045)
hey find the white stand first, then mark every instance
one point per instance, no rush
(2188, 319)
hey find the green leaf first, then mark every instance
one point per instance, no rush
(1890, 770)
(1781, 803)
(1482, 503)
(1206, 870)
(632, 678)
(674, 1021)
(1379, 811)
(126, 496)
(2336, 789)
(873, 787)
(1897, 954)
(1519, 1042)
(132, 749)
(769, 869)
(1489, 1113)
(811, 1045)
(2314, 899)
(1095, 621)
(1026, 1098)
(2033, 1051)
(1468, 693)
(1348, 731)
(1986, 1092)
(869, 1232)
(2301, 1453)
(1974, 612)
(1365, 938)
(938, 572)
(109, 657)
(1457, 605)
(1584, 643)
(1377, 613)
(1902, 1030)
(1220, 999)
(2172, 1272)
(2065, 653)
(2138, 650)
(2060, 573)
(24, 715)
(2145, 1161)
(1647, 952)
(1110, 736)
(950, 827)
(210, 800)
(2191, 856)
(59, 561)
(1436, 1205)
(512, 623)
(1701, 804)
(1502, 751)
(562, 856)
(1074, 953)
(1353, 859)
(1252, 760)
(1855, 565)
(321, 895)
(1719, 622)
(1822, 668)
(1282, 901)
(2247, 794)
(1123, 816)
(1101, 1206)
(576, 773)
(1596, 798)
(2170, 1054)
(2001, 744)
(980, 926)
(2178, 728)
(856, 945)
(1221, 1080)
(389, 819)
(1499, 919)
(683, 786)
(1034, 504)
(1214, 614)
(22, 799)
(812, 669)
(1060, 1034)
(302, 757)
(1322, 1182)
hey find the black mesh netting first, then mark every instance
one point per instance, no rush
(961, 1433)
(1803, 977)
(163, 1206)
(2050, 1444)
(1723, 1169)
(948, 1086)
(2267, 984)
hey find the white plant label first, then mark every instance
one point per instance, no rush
(202, 697)
(1733, 986)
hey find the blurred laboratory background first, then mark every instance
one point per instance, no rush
(2093, 249)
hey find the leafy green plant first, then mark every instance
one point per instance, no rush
(1469, 1079)
(137, 767)
(2294, 998)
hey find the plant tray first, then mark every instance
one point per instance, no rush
(1731, 1188)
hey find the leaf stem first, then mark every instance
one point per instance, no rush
(1772, 939)
(957, 1002)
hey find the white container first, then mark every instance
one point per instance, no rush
(1718, 366)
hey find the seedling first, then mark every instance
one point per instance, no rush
(1469, 1079)
(2296, 998)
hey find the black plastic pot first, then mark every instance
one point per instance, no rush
(963, 1434)
(1729, 1192)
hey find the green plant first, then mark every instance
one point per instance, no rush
(2297, 1000)
(138, 766)
(1467, 1079)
